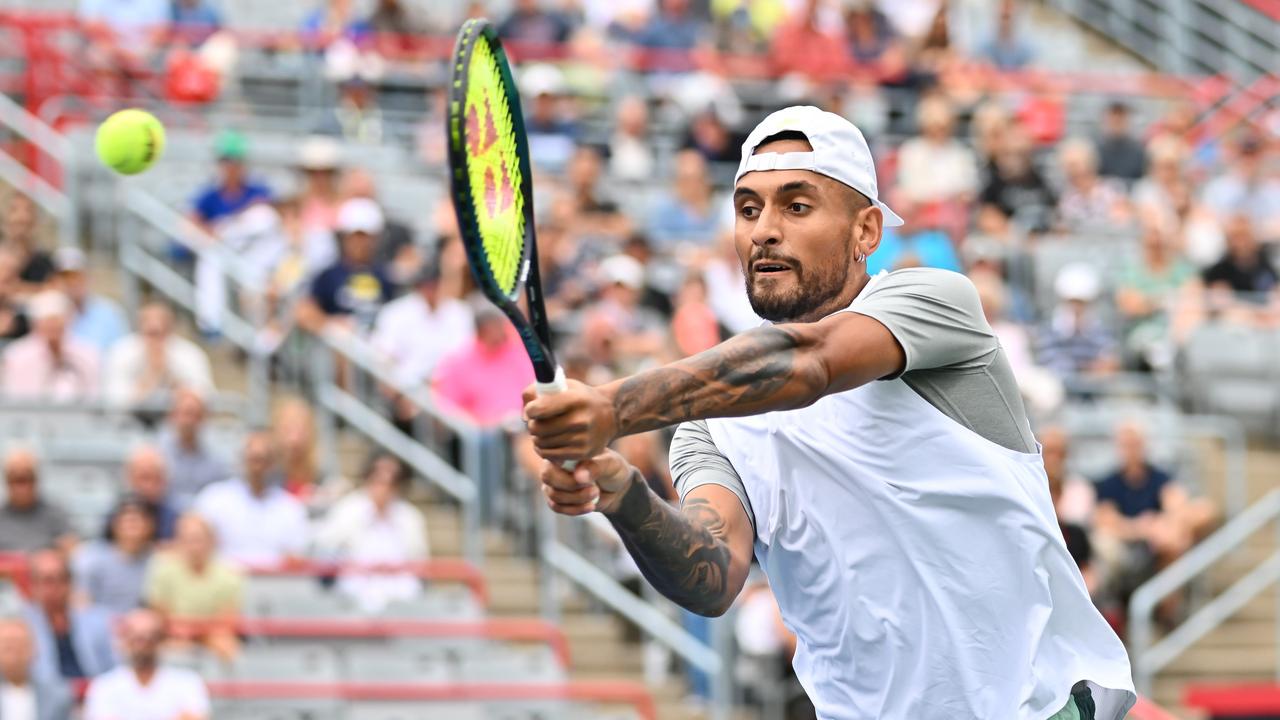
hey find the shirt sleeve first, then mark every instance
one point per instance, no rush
(935, 315)
(696, 461)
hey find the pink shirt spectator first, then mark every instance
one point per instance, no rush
(31, 371)
(485, 380)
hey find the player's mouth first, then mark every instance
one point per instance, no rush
(769, 267)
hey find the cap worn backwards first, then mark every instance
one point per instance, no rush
(839, 152)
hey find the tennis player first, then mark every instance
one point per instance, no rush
(870, 446)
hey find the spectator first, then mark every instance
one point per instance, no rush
(413, 332)
(13, 315)
(1146, 290)
(672, 27)
(1005, 49)
(319, 159)
(929, 247)
(1015, 187)
(1245, 268)
(1075, 340)
(73, 641)
(295, 435)
(596, 215)
(27, 521)
(234, 190)
(550, 129)
(631, 156)
(333, 19)
(1087, 202)
(150, 364)
(693, 324)
(1122, 156)
(868, 34)
(533, 25)
(690, 213)
(48, 363)
(143, 689)
(349, 293)
(1248, 188)
(194, 21)
(1068, 490)
(710, 137)
(1041, 390)
(146, 479)
(35, 266)
(374, 526)
(396, 18)
(134, 22)
(1142, 505)
(804, 47)
(191, 462)
(98, 320)
(198, 591)
(637, 333)
(484, 379)
(935, 167)
(25, 695)
(110, 572)
(255, 520)
(396, 248)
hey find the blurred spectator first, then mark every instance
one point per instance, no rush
(1075, 340)
(194, 20)
(349, 293)
(374, 526)
(551, 131)
(1245, 268)
(134, 24)
(332, 20)
(672, 27)
(1202, 239)
(35, 266)
(356, 115)
(73, 641)
(868, 34)
(1073, 495)
(530, 23)
(924, 248)
(110, 572)
(596, 214)
(990, 121)
(255, 520)
(1142, 505)
(1247, 187)
(935, 167)
(191, 462)
(1166, 171)
(25, 695)
(99, 321)
(234, 190)
(710, 137)
(693, 326)
(48, 363)
(396, 17)
(1121, 155)
(636, 333)
(196, 589)
(1042, 390)
(146, 479)
(631, 156)
(13, 316)
(690, 213)
(396, 248)
(294, 427)
(153, 362)
(1087, 201)
(1015, 187)
(484, 380)
(256, 237)
(722, 270)
(803, 46)
(1006, 49)
(27, 521)
(413, 332)
(143, 688)
(319, 159)
(1146, 290)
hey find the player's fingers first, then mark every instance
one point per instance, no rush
(581, 496)
(554, 475)
(544, 407)
(571, 510)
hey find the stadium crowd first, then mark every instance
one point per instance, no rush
(635, 241)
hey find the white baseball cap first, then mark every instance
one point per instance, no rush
(839, 152)
(360, 215)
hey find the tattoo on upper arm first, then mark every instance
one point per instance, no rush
(750, 369)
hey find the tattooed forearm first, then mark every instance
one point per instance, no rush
(759, 371)
(681, 552)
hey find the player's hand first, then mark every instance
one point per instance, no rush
(572, 425)
(595, 484)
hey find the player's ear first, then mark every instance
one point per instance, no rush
(868, 227)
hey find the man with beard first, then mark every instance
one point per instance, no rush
(870, 443)
(144, 689)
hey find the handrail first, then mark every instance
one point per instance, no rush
(46, 196)
(1148, 659)
(55, 146)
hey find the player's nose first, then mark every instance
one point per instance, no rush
(767, 229)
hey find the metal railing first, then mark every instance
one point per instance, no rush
(1149, 657)
(53, 154)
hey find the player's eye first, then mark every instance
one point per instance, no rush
(749, 212)
(798, 207)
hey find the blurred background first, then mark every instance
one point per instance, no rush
(252, 392)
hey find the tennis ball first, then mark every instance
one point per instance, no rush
(130, 141)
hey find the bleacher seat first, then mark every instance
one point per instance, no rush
(388, 663)
(1232, 370)
(289, 709)
(312, 662)
(293, 597)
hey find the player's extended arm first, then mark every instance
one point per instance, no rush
(779, 367)
(697, 554)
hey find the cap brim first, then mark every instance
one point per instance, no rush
(891, 218)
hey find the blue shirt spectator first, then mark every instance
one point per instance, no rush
(1134, 496)
(195, 20)
(97, 320)
(690, 212)
(928, 248)
(234, 190)
(71, 641)
(1005, 49)
(672, 27)
(529, 23)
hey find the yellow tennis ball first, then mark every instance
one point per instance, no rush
(130, 141)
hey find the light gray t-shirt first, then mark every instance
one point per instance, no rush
(953, 360)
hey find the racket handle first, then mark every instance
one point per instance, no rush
(557, 385)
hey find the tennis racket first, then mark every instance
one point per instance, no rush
(492, 190)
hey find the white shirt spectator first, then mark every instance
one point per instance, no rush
(154, 360)
(172, 694)
(413, 335)
(354, 531)
(930, 172)
(18, 702)
(252, 529)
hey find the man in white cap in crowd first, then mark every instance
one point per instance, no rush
(869, 446)
(350, 292)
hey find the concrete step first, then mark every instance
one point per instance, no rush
(1240, 661)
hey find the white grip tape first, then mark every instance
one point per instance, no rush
(557, 385)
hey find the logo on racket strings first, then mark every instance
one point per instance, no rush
(482, 136)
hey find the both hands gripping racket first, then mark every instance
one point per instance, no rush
(492, 187)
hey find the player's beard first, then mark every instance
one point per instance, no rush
(812, 288)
